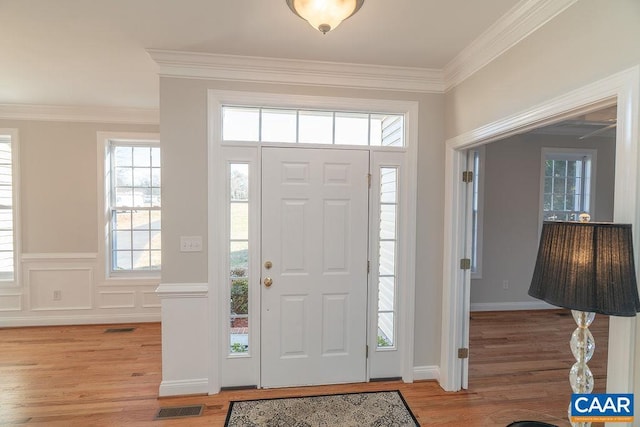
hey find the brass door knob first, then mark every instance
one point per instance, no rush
(268, 281)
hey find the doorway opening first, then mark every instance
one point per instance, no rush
(554, 172)
(620, 89)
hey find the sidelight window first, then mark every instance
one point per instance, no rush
(239, 257)
(387, 266)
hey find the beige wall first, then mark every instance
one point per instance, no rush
(59, 233)
(590, 40)
(58, 172)
(183, 131)
(512, 207)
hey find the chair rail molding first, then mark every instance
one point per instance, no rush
(182, 290)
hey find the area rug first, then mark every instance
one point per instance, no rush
(379, 409)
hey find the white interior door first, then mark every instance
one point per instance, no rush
(314, 235)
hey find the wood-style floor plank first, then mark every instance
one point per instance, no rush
(81, 376)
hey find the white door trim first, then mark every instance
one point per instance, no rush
(217, 244)
(622, 88)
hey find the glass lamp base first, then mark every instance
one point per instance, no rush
(582, 346)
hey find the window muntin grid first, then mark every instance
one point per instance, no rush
(567, 184)
(7, 231)
(280, 125)
(387, 255)
(135, 217)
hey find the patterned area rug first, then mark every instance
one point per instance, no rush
(379, 409)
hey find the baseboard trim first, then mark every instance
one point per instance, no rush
(184, 387)
(421, 373)
(57, 320)
(511, 306)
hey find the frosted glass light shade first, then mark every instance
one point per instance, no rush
(324, 15)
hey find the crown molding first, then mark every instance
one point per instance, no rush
(522, 20)
(80, 114)
(295, 71)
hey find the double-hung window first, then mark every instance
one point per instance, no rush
(567, 184)
(8, 155)
(132, 182)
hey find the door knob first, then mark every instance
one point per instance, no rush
(268, 281)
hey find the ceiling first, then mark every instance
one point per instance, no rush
(93, 53)
(600, 123)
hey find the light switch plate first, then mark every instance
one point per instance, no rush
(190, 243)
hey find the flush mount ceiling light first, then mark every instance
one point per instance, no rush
(324, 15)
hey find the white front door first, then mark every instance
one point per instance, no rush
(314, 237)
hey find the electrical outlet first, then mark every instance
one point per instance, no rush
(57, 295)
(505, 284)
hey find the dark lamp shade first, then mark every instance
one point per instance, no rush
(587, 267)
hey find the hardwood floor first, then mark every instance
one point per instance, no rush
(82, 376)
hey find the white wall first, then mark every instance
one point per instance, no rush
(59, 233)
(511, 214)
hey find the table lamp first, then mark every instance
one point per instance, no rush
(587, 267)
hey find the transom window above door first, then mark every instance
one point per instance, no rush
(297, 126)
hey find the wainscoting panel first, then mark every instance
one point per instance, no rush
(57, 288)
(71, 288)
(11, 302)
(150, 299)
(117, 299)
(186, 358)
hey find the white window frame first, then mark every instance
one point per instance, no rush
(104, 214)
(552, 153)
(14, 281)
(221, 152)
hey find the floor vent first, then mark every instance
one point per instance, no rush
(179, 412)
(117, 330)
(373, 380)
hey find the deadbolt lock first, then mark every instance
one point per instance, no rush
(268, 265)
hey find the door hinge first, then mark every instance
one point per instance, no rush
(368, 267)
(366, 352)
(369, 180)
(467, 176)
(465, 264)
(463, 353)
